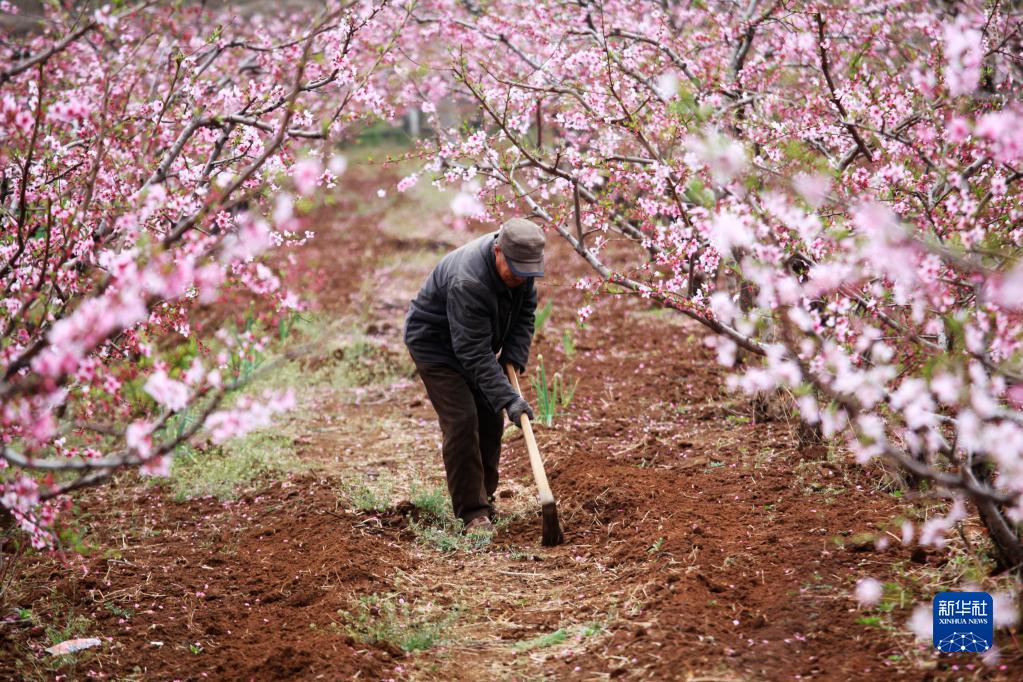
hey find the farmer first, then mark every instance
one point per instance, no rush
(479, 301)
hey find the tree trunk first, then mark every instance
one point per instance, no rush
(1008, 547)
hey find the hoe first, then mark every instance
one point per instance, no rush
(552, 534)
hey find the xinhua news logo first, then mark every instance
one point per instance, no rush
(964, 622)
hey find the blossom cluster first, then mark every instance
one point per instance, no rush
(151, 158)
(832, 189)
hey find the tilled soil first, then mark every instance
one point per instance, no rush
(700, 544)
(186, 591)
(746, 574)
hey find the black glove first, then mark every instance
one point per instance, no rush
(516, 409)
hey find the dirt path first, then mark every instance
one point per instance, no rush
(700, 545)
(510, 610)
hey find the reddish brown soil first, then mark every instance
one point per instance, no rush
(727, 528)
(705, 500)
(254, 585)
(245, 581)
(760, 562)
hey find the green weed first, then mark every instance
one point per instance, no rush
(561, 635)
(553, 397)
(118, 611)
(354, 361)
(244, 361)
(68, 625)
(366, 495)
(568, 343)
(541, 317)
(73, 626)
(389, 619)
(448, 536)
(543, 641)
(893, 597)
(433, 501)
(234, 467)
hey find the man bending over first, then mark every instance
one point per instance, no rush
(479, 301)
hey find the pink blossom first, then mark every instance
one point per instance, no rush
(195, 373)
(934, 530)
(964, 50)
(24, 121)
(946, 387)
(306, 174)
(958, 129)
(208, 280)
(869, 591)
(1008, 291)
(808, 409)
(666, 85)
(69, 111)
(408, 182)
(284, 208)
(138, 437)
(723, 156)
(338, 164)
(726, 350)
(252, 239)
(813, 188)
(992, 657)
(250, 415)
(105, 18)
(21, 494)
(466, 205)
(723, 307)
(729, 231)
(921, 623)
(291, 301)
(160, 465)
(1006, 610)
(166, 391)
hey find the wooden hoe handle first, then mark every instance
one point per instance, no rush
(546, 497)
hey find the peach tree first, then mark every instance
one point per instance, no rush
(832, 189)
(152, 153)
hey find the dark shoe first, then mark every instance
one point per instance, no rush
(492, 514)
(480, 525)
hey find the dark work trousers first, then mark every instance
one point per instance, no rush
(472, 439)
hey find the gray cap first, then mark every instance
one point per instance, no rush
(522, 242)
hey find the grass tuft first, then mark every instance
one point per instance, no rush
(432, 501)
(367, 495)
(233, 468)
(448, 536)
(389, 619)
(553, 397)
(543, 641)
(561, 635)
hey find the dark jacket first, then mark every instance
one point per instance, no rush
(465, 314)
